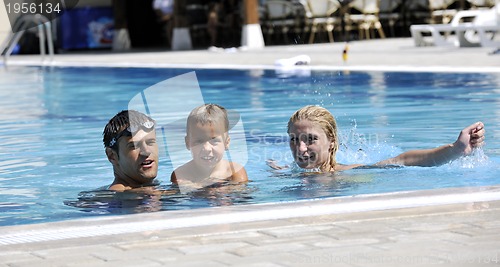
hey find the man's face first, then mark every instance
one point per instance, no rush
(137, 160)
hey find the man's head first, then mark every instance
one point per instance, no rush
(130, 142)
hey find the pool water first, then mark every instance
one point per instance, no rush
(52, 157)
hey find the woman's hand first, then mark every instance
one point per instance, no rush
(272, 163)
(471, 137)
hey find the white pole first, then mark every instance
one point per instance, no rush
(251, 35)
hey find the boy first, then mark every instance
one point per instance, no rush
(130, 144)
(207, 138)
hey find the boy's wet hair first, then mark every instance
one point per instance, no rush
(322, 117)
(208, 114)
(125, 123)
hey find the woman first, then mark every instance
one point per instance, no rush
(314, 143)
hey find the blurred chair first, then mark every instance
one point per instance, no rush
(280, 17)
(486, 29)
(415, 12)
(482, 31)
(440, 14)
(481, 3)
(197, 15)
(368, 20)
(319, 17)
(387, 13)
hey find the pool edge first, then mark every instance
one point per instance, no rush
(378, 68)
(343, 208)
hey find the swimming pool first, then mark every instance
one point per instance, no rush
(52, 120)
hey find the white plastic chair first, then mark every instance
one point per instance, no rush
(480, 32)
(280, 16)
(482, 3)
(440, 13)
(386, 8)
(368, 19)
(319, 17)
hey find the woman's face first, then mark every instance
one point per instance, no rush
(309, 144)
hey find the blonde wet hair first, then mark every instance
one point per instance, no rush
(323, 118)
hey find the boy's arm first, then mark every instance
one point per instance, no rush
(469, 138)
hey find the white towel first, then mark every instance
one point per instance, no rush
(293, 61)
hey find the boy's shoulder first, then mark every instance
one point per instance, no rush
(185, 166)
(234, 165)
(181, 171)
(118, 187)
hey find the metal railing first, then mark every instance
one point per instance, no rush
(20, 27)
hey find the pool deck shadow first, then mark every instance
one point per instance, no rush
(444, 227)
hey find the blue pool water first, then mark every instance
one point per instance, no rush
(51, 122)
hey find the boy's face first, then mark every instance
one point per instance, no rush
(207, 144)
(137, 159)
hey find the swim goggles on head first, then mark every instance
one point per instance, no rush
(146, 126)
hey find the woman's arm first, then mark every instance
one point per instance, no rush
(469, 138)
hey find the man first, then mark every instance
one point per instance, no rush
(130, 144)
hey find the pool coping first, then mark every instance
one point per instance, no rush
(391, 54)
(378, 68)
(348, 207)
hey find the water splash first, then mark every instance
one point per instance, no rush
(477, 159)
(360, 148)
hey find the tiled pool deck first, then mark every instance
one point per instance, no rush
(445, 227)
